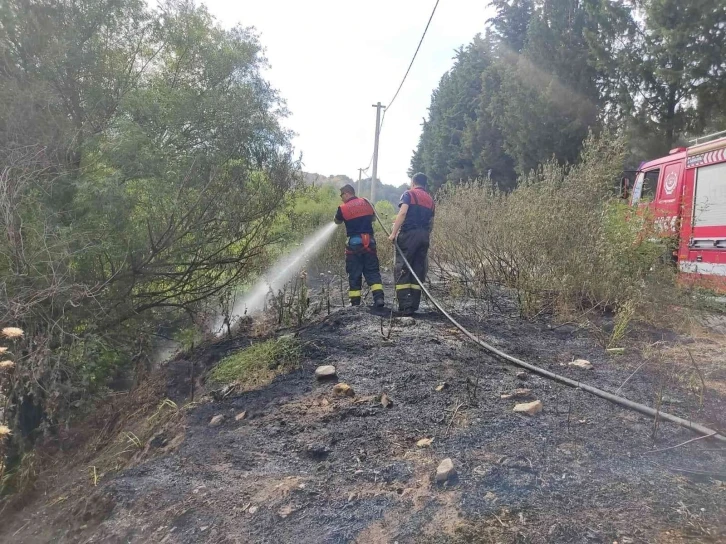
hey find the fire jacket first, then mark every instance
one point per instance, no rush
(358, 216)
(421, 209)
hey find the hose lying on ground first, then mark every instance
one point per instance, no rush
(635, 406)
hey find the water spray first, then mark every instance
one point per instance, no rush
(277, 276)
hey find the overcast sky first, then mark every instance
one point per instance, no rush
(331, 60)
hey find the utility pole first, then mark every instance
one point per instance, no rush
(378, 107)
(360, 175)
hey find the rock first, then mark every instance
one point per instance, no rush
(221, 394)
(518, 394)
(343, 390)
(442, 386)
(240, 416)
(522, 375)
(581, 363)
(529, 408)
(325, 372)
(385, 401)
(445, 471)
(406, 321)
(324, 402)
(216, 421)
(424, 442)
(252, 509)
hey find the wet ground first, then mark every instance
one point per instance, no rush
(307, 466)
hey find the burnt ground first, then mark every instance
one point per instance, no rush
(306, 466)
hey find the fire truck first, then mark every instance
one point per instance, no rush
(686, 194)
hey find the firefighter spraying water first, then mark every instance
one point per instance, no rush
(361, 258)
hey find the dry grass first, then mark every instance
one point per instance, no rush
(118, 434)
(560, 242)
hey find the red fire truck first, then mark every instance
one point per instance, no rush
(686, 193)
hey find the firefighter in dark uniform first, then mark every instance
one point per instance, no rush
(413, 226)
(361, 258)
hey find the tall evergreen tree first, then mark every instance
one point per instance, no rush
(548, 71)
(682, 46)
(511, 22)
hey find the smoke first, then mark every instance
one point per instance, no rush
(277, 276)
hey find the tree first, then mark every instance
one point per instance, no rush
(548, 71)
(549, 98)
(511, 22)
(680, 65)
(144, 163)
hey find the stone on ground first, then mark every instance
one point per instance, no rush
(441, 386)
(445, 471)
(518, 394)
(216, 421)
(385, 401)
(326, 371)
(343, 390)
(522, 375)
(424, 442)
(529, 408)
(240, 416)
(581, 363)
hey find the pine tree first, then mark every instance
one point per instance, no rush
(682, 45)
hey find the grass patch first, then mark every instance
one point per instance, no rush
(259, 363)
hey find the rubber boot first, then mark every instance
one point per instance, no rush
(378, 300)
(415, 299)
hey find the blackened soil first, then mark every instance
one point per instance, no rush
(305, 466)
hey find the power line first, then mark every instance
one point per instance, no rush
(390, 102)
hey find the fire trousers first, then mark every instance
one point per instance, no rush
(361, 260)
(414, 245)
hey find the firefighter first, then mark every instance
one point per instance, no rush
(413, 226)
(361, 258)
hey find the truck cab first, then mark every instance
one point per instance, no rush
(685, 193)
(658, 188)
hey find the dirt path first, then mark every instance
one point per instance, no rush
(306, 466)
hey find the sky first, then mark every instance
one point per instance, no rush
(332, 60)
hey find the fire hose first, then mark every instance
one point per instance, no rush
(616, 399)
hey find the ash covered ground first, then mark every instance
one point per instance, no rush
(308, 466)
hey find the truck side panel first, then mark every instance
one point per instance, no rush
(702, 249)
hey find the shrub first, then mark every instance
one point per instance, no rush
(560, 241)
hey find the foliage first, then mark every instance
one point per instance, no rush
(383, 191)
(558, 240)
(547, 72)
(143, 165)
(258, 363)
